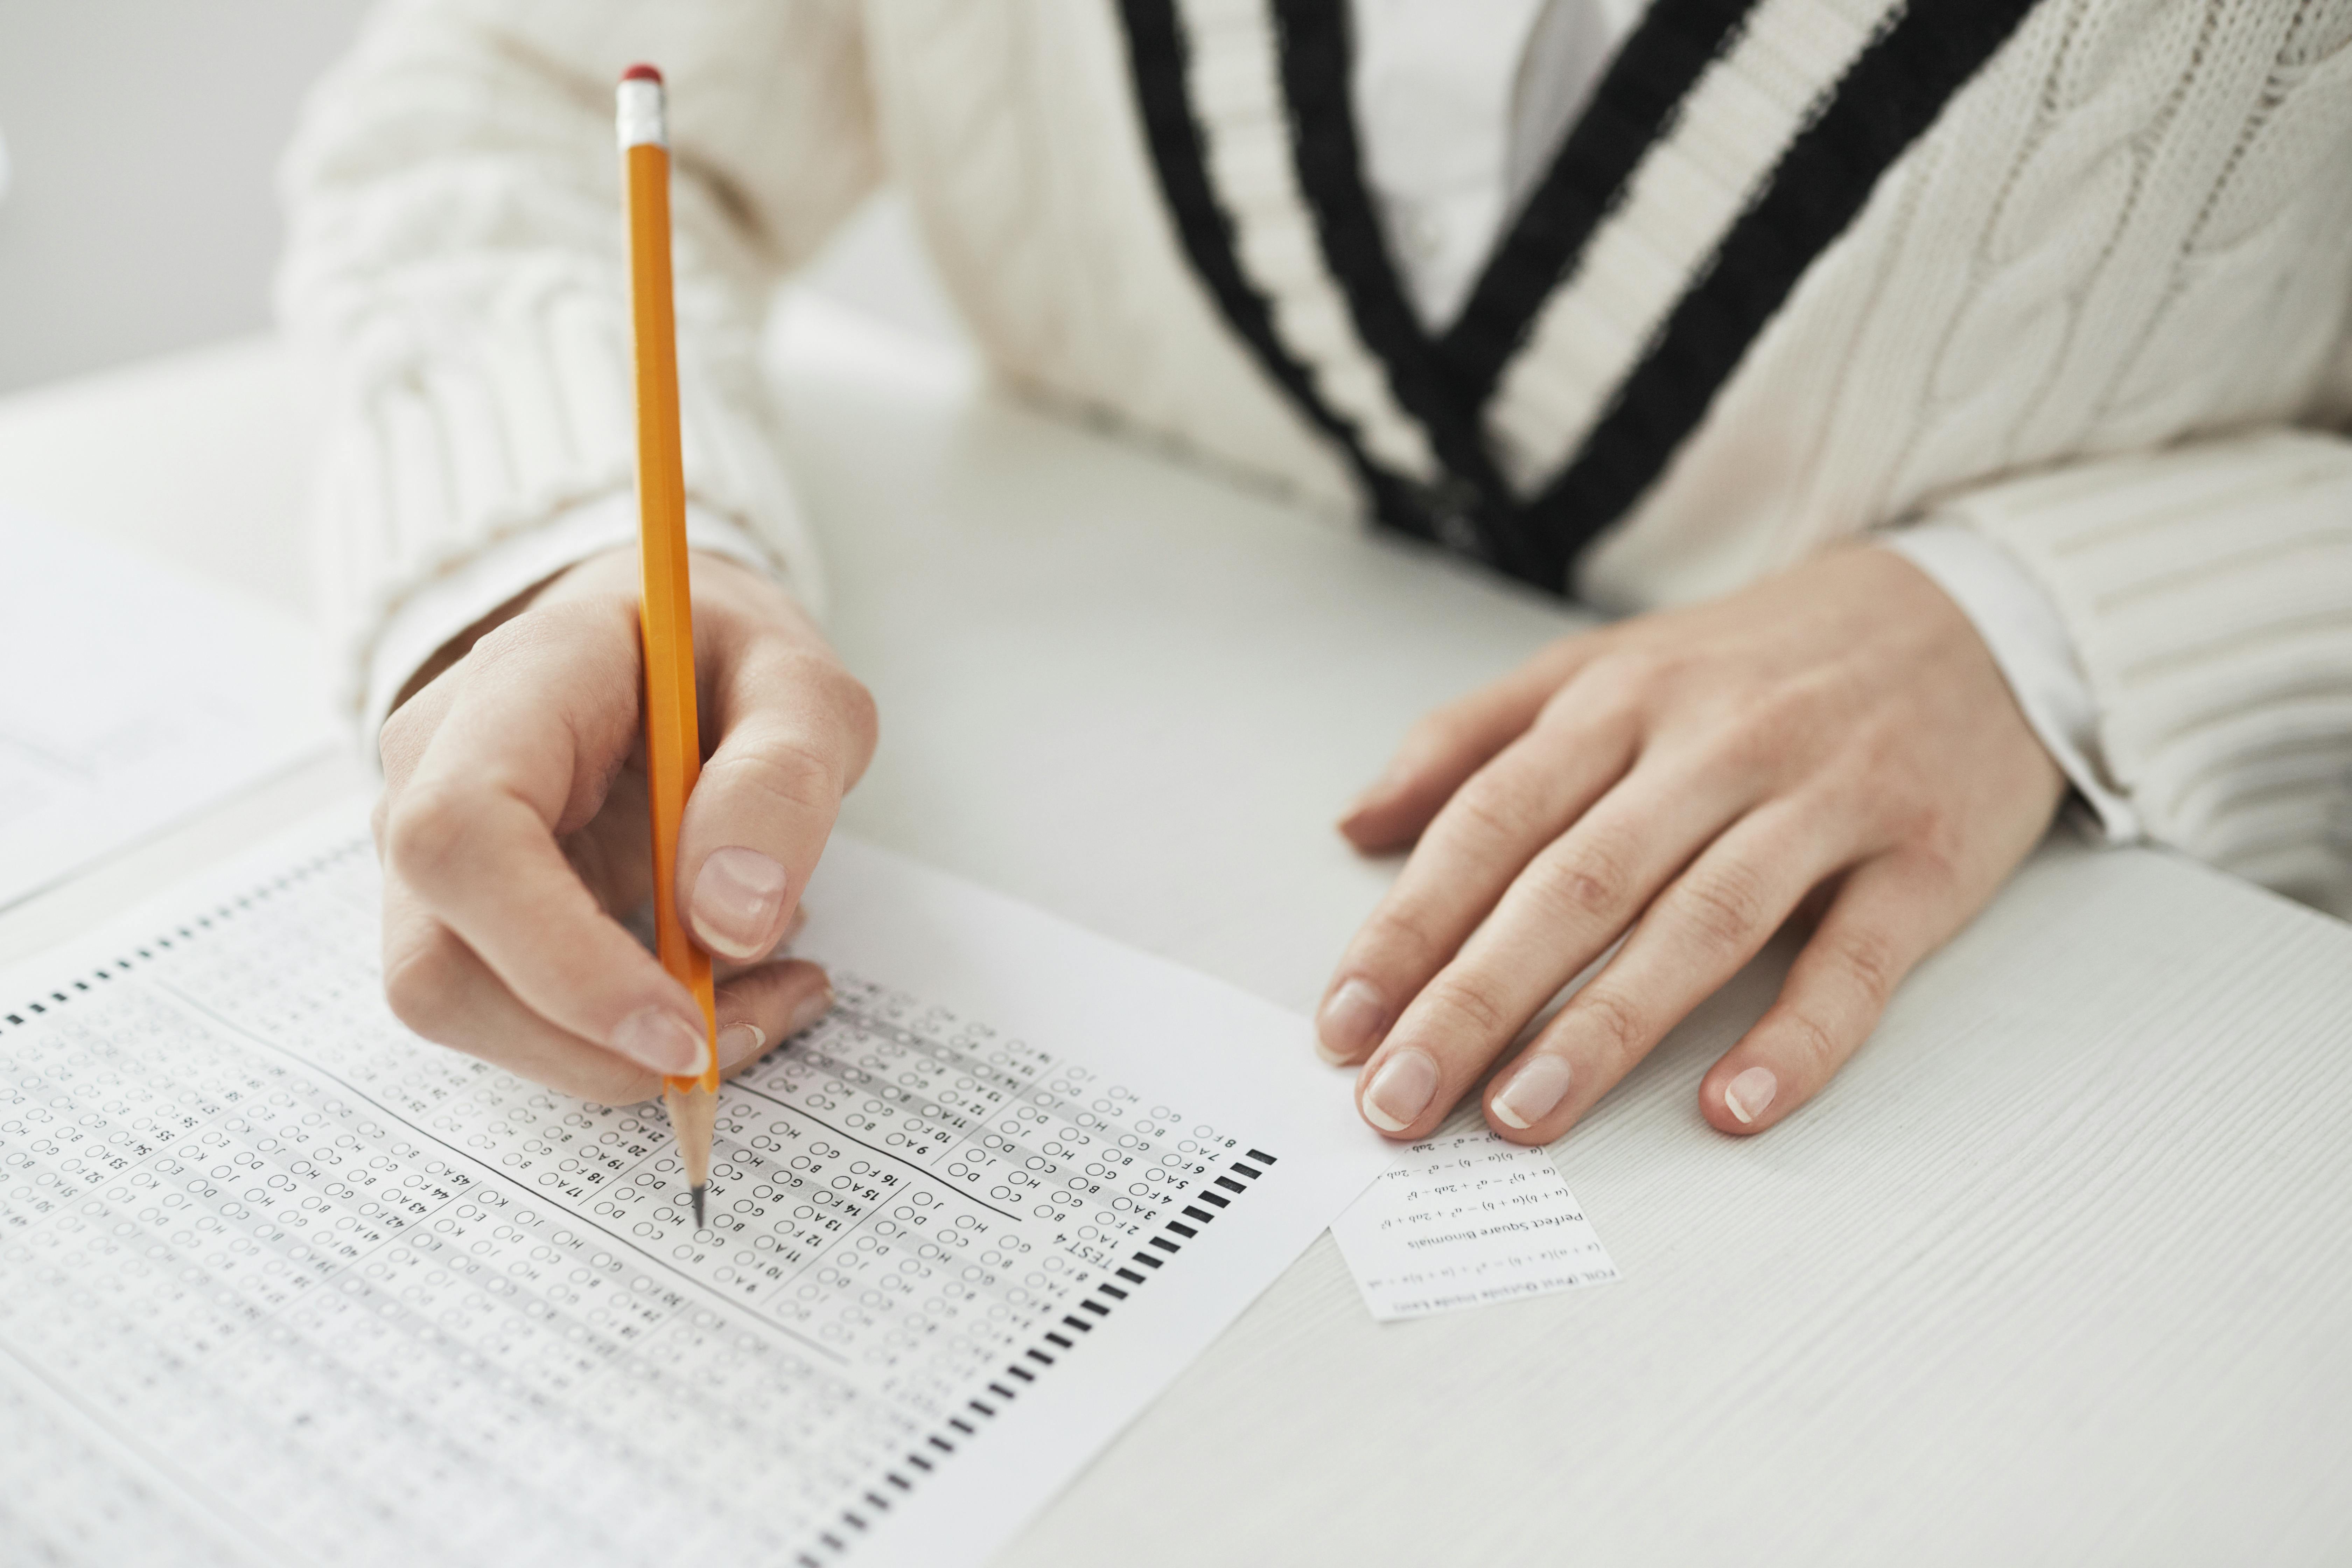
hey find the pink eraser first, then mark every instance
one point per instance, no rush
(641, 73)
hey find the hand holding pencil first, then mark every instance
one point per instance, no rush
(514, 822)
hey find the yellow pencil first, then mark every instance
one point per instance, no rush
(673, 739)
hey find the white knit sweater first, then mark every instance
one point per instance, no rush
(2095, 314)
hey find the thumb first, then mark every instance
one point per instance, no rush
(796, 731)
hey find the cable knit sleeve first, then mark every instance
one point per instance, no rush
(455, 277)
(2208, 591)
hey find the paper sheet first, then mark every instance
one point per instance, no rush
(287, 1285)
(130, 696)
(1466, 1220)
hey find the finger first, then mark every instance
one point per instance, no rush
(767, 1005)
(440, 990)
(797, 731)
(1453, 742)
(1496, 824)
(1891, 913)
(1570, 902)
(525, 753)
(1696, 936)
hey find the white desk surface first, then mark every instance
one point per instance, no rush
(2058, 1270)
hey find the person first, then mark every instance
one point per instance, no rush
(1947, 394)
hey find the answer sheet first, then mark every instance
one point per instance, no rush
(287, 1285)
(131, 697)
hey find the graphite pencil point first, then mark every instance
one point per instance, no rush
(697, 1206)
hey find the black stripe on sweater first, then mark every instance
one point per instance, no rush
(1632, 107)
(1158, 58)
(1890, 96)
(1317, 59)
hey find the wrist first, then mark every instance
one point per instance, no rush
(436, 620)
(458, 646)
(725, 589)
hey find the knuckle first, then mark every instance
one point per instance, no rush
(1569, 706)
(1589, 710)
(842, 693)
(1817, 1045)
(791, 775)
(1867, 963)
(1498, 803)
(1401, 931)
(426, 836)
(1630, 677)
(1615, 1023)
(790, 679)
(1471, 1003)
(1590, 881)
(1931, 858)
(1724, 907)
(1935, 871)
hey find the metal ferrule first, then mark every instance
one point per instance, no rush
(641, 119)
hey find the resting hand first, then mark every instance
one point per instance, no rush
(1836, 736)
(513, 830)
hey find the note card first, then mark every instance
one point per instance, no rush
(1464, 1220)
(285, 1284)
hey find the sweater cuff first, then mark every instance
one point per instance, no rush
(441, 608)
(2023, 630)
(2208, 591)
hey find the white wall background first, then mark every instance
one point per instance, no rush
(143, 137)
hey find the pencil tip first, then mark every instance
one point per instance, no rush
(697, 1206)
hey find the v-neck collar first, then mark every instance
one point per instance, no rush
(1437, 394)
(1444, 380)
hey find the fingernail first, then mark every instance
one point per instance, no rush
(1534, 1091)
(1747, 1095)
(809, 1012)
(659, 1039)
(1349, 1022)
(739, 1043)
(736, 901)
(1400, 1091)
